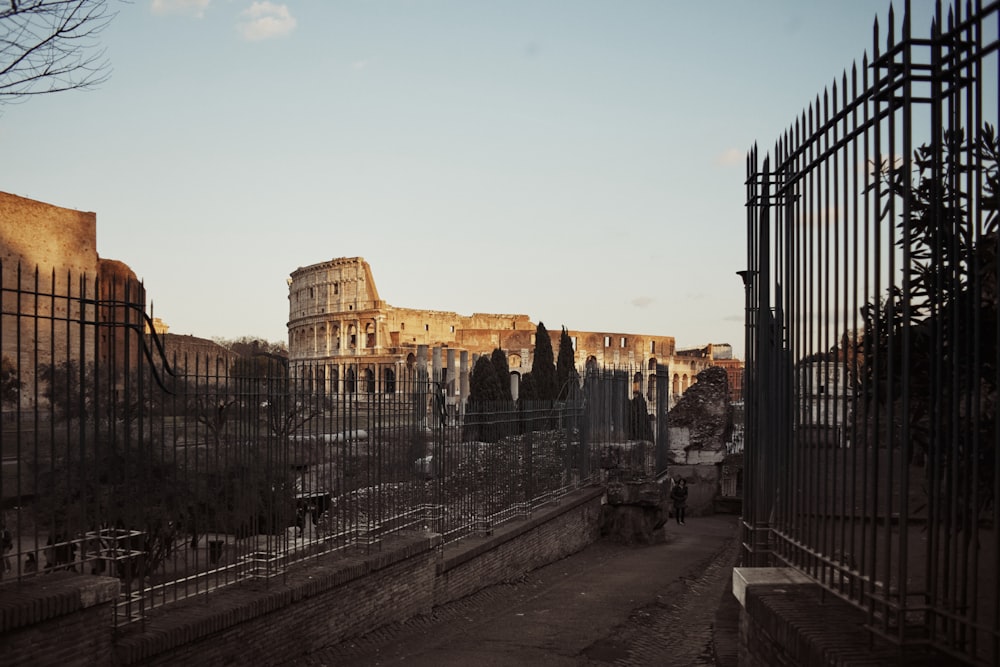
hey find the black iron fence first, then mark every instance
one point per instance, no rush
(873, 346)
(184, 472)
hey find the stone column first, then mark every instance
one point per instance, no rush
(463, 392)
(451, 385)
(436, 365)
(420, 390)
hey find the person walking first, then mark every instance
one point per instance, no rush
(679, 494)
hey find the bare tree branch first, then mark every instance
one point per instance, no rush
(49, 46)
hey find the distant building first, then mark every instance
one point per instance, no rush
(344, 338)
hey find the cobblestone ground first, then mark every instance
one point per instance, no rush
(681, 627)
(672, 625)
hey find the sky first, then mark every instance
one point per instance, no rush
(579, 162)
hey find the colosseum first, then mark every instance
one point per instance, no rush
(343, 338)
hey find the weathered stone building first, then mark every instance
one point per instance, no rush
(345, 338)
(50, 273)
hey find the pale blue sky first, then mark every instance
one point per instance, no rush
(579, 162)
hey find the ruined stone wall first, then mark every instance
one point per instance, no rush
(51, 237)
(61, 244)
(190, 354)
(701, 421)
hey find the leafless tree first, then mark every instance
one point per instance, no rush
(48, 46)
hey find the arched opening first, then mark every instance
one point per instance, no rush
(350, 382)
(389, 381)
(369, 378)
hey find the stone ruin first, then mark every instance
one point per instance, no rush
(700, 425)
(702, 420)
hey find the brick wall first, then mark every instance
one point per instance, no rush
(60, 619)
(519, 547)
(65, 618)
(798, 626)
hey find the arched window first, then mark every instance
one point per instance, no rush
(676, 389)
(370, 335)
(369, 376)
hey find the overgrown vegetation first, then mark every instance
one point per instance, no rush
(933, 339)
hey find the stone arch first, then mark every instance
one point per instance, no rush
(370, 335)
(652, 364)
(389, 380)
(514, 361)
(350, 382)
(676, 389)
(368, 376)
(334, 380)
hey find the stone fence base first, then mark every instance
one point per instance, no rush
(65, 618)
(787, 620)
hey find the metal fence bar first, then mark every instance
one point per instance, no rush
(187, 474)
(873, 346)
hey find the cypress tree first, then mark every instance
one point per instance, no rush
(543, 368)
(567, 379)
(528, 390)
(484, 392)
(502, 370)
(483, 384)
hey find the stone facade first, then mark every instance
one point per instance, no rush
(49, 253)
(49, 237)
(342, 335)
